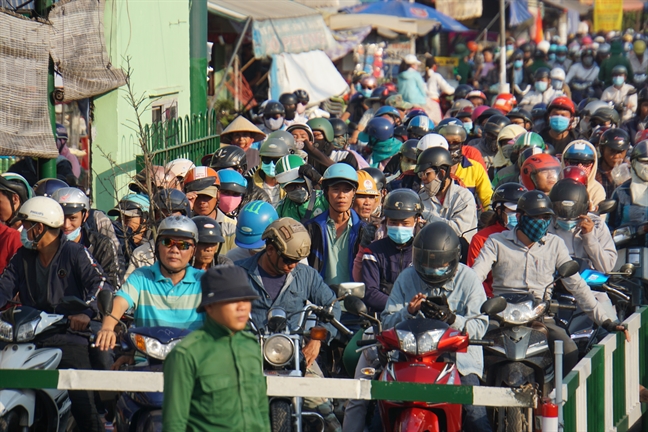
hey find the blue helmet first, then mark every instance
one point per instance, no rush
(388, 110)
(340, 172)
(419, 126)
(579, 151)
(449, 121)
(252, 221)
(46, 187)
(380, 129)
(133, 204)
(232, 181)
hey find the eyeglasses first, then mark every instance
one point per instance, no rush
(288, 261)
(574, 162)
(181, 244)
(428, 171)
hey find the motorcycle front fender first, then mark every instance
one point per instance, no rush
(416, 420)
(25, 399)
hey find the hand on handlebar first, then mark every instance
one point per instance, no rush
(311, 351)
(442, 313)
(79, 322)
(610, 327)
(105, 339)
(415, 304)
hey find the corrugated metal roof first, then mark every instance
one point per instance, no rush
(259, 9)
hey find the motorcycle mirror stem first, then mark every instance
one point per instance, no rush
(566, 269)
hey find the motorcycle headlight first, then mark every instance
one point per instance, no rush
(6, 331)
(26, 331)
(278, 350)
(152, 347)
(407, 341)
(622, 234)
(428, 341)
(522, 313)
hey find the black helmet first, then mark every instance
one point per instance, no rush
(518, 54)
(519, 113)
(535, 203)
(507, 193)
(495, 124)
(642, 96)
(569, 198)
(616, 139)
(461, 91)
(229, 157)
(605, 114)
(171, 201)
(419, 126)
(287, 99)
(619, 70)
(526, 47)
(409, 149)
(541, 73)
(381, 93)
(433, 157)
(435, 253)
(487, 114)
(640, 151)
(340, 128)
(47, 186)
(402, 204)
(273, 108)
(451, 129)
(302, 96)
(209, 231)
(378, 176)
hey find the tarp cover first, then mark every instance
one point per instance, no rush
(25, 128)
(292, 35)
(78, 50)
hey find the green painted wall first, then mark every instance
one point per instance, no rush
(155, 35)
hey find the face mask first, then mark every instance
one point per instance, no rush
(511, 220)
(618, 81)
(535, 229)
(517, 64)
(552, 57)
(365, 92)
(290, 114)
(491, 143)
(566, 225)
(588, 61)
(556, 84)
(298, 196)
(509, 47)
(301, 108)
(24, 239)
(74, 234)
(228, 203)
(400, 234)
(339, 142)
(268, 168)
(274, 124)
(407, 166)
(433, 187)
(639, 168)
(558, 123)
(541, 86)
(561, 58)
(468, 126)
(439, 271)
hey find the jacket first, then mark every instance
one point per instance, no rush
(257, 179)
(302, 286)
(289, 208)
(487, 155)
(213, 381)
(412, 87)
(9, 245)
(253, 193)
(626, 213)
(465, 296)
(458, 210)
(507, 174)
(634, 126)
(104, 252)
(616, 59)
(594, 188)
(98, 221)
(534, 97)
(319, 245)
(625, 97)
(475, 179)
(475, 246)
(559, 145)
(407, 180)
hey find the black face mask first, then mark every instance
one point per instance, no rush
(323, 146)
(290, 113)
(491, 143)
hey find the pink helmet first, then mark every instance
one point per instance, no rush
(479, 111)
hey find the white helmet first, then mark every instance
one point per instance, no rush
(558, 74)
(544, 46)
(42, 209)
(180, 167)
(432, 140)
(178, 226)
(72, 200)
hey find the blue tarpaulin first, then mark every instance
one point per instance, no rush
(518, 12)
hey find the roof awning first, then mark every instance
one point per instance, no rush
(574, 5)
(399, 25)
(259, 10)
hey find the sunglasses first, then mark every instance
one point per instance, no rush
(428, 171)
(268, 160)
(288, 261)
(574, 162)
(181, 244)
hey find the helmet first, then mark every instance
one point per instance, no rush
(289, 237)
(229, 157)
(526, 47)
(200, 178)
(171, 201)
(47, 186)
(541, 73)
(209, 231)
(579, 150)
(378, 176)
(575, 173)
(518, 54)
(453, 130)
(303, 127)
(380, 129)
(436, 252)
(519, 113)
(19, 185)
(495, 124)
(288, 99)
(408, 149)
(448, 121)
(619, 70)
(366, 184)
(284, 136)
(232, 181)
(252, 221)
(388, 110)
(414, 113)
(606, 114)
(640, 152)
(419, 126)
(535, 203)
(433, 157)
(505, 102)
(41, 209)
(592, 107)
(527, 153)
(461, 105)
(487, 113)
(557, 74)
(274, 148)
(510, 132)
(340, 128)
(72, 200)
(380, 93)
(324, 126)
(462, 91)
(642, 96)
(302, 96)
(476, 94)
(507, 193)
(539, 111)
(431, 140)
(569, 198)
(562, 103)
(179, 167)
(402, 204)
(160, 177)
(529, 139)
(287, 169)
(177, 226)
(340, 172)
(533, 165)
(272, 108)
(616, 139)
(132, 205)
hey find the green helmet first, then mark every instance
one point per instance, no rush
(324, 126)
(287, 170)
(528, 139)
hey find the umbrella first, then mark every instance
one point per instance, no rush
(405, 9)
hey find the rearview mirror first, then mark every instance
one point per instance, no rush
(606, 206)
(493, 306)
(628, 269)
(354, 305)
(568, 269)
(105, 302)
(356, 289)
(73, 304)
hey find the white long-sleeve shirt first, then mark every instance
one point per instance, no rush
(581, 73)
(436, 85)
(620, 95)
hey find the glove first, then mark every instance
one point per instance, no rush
(610, 326)
(441, 313)
(310, 172)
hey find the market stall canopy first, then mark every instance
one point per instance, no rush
(398, 25)
(519, 12)
(405, 9)
(460, 9)
(574, 5)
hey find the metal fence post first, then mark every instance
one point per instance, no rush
(558, 369)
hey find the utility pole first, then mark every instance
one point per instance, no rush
(503, 87)
(198, 55)
(47, 167)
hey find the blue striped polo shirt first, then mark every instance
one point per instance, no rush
(158, 302)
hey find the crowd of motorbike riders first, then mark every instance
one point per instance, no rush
(490, 199)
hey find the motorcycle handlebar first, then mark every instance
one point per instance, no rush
(341, 328)
(366, 342)
(478, 342)
(567, 307)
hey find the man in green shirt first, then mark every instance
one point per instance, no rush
(213, 379)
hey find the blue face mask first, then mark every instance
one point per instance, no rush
(74, 234)
(618, 80)
(400, 234)
(558, 123)
(24, 239)
(552, 57)
(268, 168)
(468, 126)
(439, 271)
(541, 86)
(561, 58)
(517, 64)
(566, 225)
(509, 47)
(535, 229)
(511, 220)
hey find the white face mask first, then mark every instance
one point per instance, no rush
(641, 170)
(433, 187)
(301, 108)
(274, 124)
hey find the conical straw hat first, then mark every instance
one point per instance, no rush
(241, 124)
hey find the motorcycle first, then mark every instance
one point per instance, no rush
(631, 247)
(419, 351)
(24, 327)
(519, 355)
(581, 90)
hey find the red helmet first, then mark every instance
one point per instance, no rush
(641, 136)
(505, 102)
(535, 164)
(390, 86)
(476, 94)
(200, 178)
(564, 103)
(575, 173)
